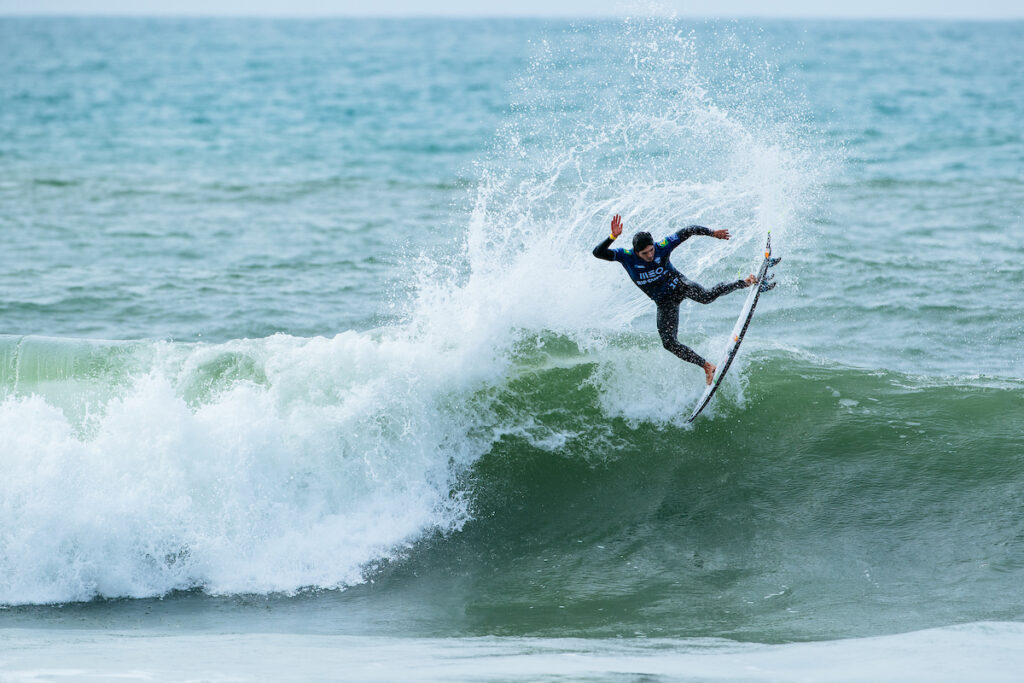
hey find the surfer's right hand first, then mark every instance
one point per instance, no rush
(616, 226)
(751, 280)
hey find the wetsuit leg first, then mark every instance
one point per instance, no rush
(668, 330)
(668, 312)
(691, 290)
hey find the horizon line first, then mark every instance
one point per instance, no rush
(454, 15)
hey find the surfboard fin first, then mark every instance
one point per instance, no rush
(774, 261)
(768, 283)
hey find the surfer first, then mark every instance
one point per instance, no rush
(649, 267)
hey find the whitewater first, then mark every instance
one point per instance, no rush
(304, 350)
(274, 465)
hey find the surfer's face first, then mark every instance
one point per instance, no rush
(647, 253)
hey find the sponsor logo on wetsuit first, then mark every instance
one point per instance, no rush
(643, 277)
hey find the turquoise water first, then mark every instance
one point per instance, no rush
(301, 340)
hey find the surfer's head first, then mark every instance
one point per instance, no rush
(643, 246)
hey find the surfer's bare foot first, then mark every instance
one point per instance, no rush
(709, 371)
(751, 279)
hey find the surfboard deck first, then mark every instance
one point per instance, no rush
(738, 331)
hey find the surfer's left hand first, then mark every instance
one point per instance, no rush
(721, 234)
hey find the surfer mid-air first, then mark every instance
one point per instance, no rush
(649, 267)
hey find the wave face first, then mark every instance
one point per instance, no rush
(819, 501)
(272, 465)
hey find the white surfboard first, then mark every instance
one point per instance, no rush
(740, 329)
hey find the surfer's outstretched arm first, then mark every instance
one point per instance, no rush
(690, 230)
(602, 251)
(683, 234)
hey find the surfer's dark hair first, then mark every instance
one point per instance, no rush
(642, 240)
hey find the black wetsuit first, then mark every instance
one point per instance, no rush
(666, 286)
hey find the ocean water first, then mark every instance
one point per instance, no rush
(307, 371)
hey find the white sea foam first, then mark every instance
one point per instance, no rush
(345, 452)
(659, 148)
(980, 651)
(270, 465)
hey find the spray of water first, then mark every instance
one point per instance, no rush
(277, 464)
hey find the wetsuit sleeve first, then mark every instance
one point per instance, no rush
(680, 236)
(602, 251)
(691, 230)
